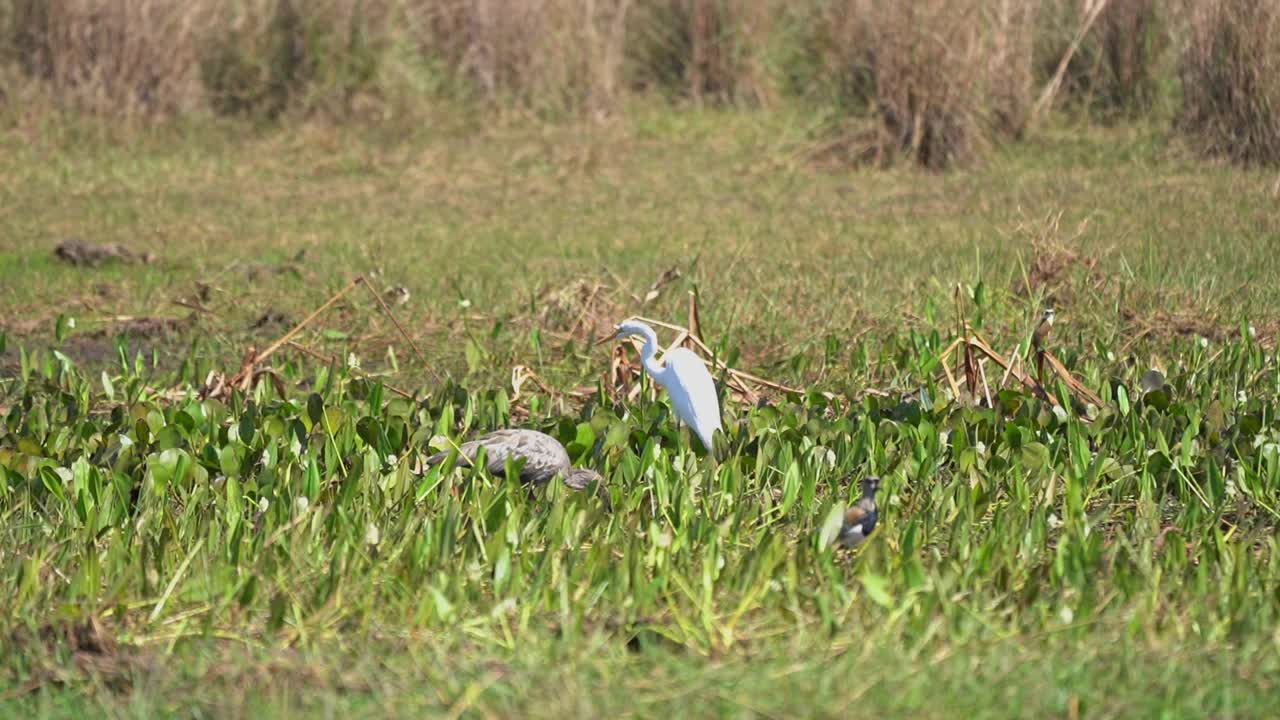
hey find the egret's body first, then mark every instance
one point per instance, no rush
(544, 457)
(685, 378)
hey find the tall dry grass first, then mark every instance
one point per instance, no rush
(1114, 71)
(944, 78)
(703, 49)
(262, 57)
(121, 57)
(161, 57)
(940, 80)
(1231, 79)
(548, 55)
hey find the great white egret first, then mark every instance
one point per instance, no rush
(544, 457)
(686, 380)
(860, 520)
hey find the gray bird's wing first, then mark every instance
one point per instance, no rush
(543, 455)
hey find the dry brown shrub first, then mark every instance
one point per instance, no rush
(1231, 79)
(1113, 71)
(261, 57)
(1132, 40)
(160, 57)
(120, 57)
(703, 49)
(944, 77)
(548, 55)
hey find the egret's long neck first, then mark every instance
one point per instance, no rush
(649, 355)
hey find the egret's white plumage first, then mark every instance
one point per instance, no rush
(685, 378)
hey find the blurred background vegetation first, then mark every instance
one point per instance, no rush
(936, 81)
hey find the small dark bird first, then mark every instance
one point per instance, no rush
(1043, 329)
(1039, 338)
(544, 457)
(860, 520)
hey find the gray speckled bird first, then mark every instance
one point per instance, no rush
(860, 520)
(544, 457)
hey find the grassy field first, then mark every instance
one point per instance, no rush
(159, 556)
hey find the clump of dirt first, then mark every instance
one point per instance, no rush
(1163, 323)
(586, 310)
(80, 253)
(1058, 271)
(862, 145)
(583, 310)
(145, 327)
(271, 319)
(88, 644)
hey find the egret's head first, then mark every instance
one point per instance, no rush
(582, 478)
(870, 485)
(632, 327)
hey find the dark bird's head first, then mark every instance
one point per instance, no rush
(870, 485)
(1048, 316)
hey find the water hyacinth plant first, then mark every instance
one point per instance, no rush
(302, 519)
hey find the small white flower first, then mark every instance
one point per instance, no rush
(1054, 522)
(71, 322)
(464, 303)
(944, 437)
(1111, 356)
(391, 459)
(980, 448)
(371, 535)
(353, 361)
(301, 503)
(1066, 615)
(1253, 331)
(263, 504)
(1204, 342)
(1060, 413)
(1241, 397)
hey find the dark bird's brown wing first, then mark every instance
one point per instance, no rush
(859, 522)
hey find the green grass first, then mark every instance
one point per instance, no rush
(1029, 564)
